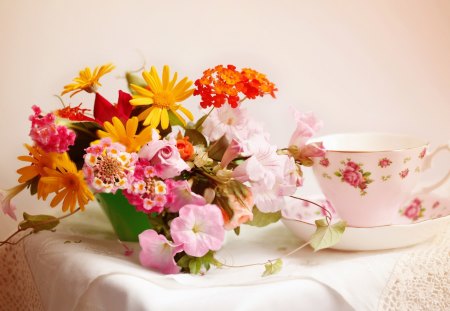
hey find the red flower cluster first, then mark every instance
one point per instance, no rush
(221, 85)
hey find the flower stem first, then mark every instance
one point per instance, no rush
(199, 124)
(7, 241)
(328, 215)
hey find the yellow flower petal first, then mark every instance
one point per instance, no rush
(164, 119)
(156, 117)
(187, 113)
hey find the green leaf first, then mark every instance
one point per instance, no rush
(237, 230)
(273, 267)
(326, 235)
(199, 123)
(134, 79)
(195, 137)
(338, 174)
(217, 149)
(367, 174)
(38, 222)
(195, 265)
(261, 219)
(174, 120)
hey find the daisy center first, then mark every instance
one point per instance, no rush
(164, 99)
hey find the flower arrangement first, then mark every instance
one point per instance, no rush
(194, 179)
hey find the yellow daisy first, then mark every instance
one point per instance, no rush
(126, 135)
(68, 184)
(87, 80)
(162, 97)
(38, 161)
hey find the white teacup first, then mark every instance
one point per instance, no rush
(366, 176)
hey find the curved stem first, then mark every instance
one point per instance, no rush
(328, 215)
(10, 237)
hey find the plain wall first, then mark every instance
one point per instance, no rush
(359, 65)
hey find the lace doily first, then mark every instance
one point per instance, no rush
(17, 288)
(421, 278)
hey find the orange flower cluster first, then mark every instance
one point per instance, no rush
(185, 148)
(220, 85)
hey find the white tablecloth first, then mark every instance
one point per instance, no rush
(82, 266)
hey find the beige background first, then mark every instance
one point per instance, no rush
(359, 65)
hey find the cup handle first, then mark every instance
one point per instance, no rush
(427, 164)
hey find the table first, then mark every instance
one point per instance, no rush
(82, 266)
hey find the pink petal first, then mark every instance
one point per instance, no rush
(158, 253)
(199, 228)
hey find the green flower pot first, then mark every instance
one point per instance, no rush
(126, 221)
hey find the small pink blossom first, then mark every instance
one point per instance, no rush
(164, 156)
(49, 136)
(435, 204)
(180, 194)
(158, 253)
(146, 192)
(385, 162)
(423, 153)
(307, 126)
(324, 162)
(404, 173)
(232, 151)
(413, 211)
(8, 208)
(199, 228)
(108, 167)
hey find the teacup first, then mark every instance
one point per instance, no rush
(367, 176)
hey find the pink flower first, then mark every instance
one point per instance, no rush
(413, 210)
(404, 173)
(158, 253)
(239, 199)
(352, 166)
(232, 151)
(307, 126)
(180, 194)
(324, 162)
(264, 166)
(199, 228)
(8, 208)
(165, 157)
(234, 123)
(108, 167)
(49, 136)
(146, 192)
(385, 162)
(242, 211)
(423, 153)
(352, 177)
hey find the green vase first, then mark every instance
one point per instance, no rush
(126, 221)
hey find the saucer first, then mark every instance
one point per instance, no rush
(417, 220)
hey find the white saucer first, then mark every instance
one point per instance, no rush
(418, 220)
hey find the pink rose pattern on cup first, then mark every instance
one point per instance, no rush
(404, 173)
(324, 162)
(354, 175)
(423, 153)
(385, 162)
(414, 211)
